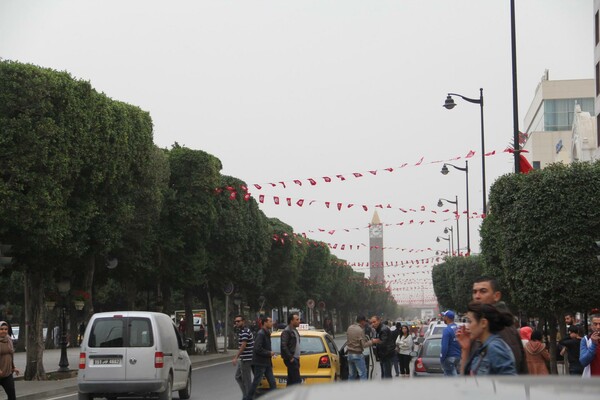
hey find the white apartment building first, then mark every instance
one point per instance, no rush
(560, 125)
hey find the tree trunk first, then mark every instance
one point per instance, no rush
(34, 303)
(88, 283)
(552, 321)
(211, 344)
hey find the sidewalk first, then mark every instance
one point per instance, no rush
(35, 390)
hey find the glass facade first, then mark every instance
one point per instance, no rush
(558, 114)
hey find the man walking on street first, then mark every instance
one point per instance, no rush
(356, 341)
(385, 349)
(450, 355)
(290, 349)
(261, 359)
(243, 358)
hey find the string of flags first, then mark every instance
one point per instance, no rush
(357, 175)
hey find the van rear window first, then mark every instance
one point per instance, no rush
(121, 332)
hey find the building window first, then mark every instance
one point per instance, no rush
(559, 113)
(536, 165)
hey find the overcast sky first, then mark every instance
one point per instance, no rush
(291, 90)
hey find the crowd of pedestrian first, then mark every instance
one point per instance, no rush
(487, 343)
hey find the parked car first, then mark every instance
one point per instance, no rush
(319, 359)
(133, 353)
(428, 357)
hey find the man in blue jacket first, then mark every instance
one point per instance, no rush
(451, 351)
(261, 358)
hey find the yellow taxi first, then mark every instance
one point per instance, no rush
(319, 358)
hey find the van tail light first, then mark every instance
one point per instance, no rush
(81, 360)
(419, 367)
(159, 359)
(324, 362)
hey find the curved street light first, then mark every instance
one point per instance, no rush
(445, 171)
(448, 239)
(451, 235)
(449, 104)
(455, 202)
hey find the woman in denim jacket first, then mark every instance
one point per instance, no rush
(494, 357)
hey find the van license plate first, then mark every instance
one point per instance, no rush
(107, 361)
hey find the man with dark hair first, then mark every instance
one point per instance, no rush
(356, 341)
(486, 291)
(572, 344)
(570, 321)
(589, 355)
(385, 349)
(262, 357)
(290, 349)
(243, 358)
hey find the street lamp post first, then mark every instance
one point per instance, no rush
(63, 288)
(455, 202)
(447, 239)
(450, 104)
(451, 236)
(466, 171)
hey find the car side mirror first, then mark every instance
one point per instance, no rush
(420, 340)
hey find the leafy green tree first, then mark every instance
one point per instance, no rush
(187, 222)
(316, 278)
(282, 273)
(49, 140)
(440, 277)
(544, 230)
(545, 226)
(138, 254)
(239, 244)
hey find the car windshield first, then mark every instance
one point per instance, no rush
(432, 347)
(308, 345)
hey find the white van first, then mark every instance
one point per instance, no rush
(133, 353)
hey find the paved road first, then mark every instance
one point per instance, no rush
(212, 378)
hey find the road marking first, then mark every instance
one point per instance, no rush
(211, 365)
(62, 397)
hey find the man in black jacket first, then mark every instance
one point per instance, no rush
(261, 358)
(385, 349)
(290, 349)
